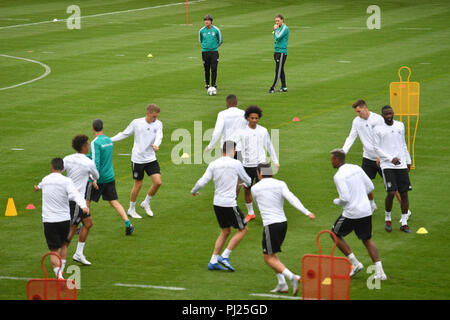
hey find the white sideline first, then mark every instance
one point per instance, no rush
(266, 295)
(46, 73)
(148, 286)
(104, 14)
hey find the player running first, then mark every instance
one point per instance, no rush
(80, 169)
(224, 172)
(353, 186)
(101, 153)
(148, 134)
(57, 191)
(269, 195)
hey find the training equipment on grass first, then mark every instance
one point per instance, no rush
(325, 277)
(212, 91)
(295, 119)
(404, 100)
(10, 208)
(30, 207)
(150, 55)
(422, 230)
(51, 288)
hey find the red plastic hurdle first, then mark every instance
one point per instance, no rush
(51, 288)
(325, 277)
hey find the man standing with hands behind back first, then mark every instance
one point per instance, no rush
(210, 38)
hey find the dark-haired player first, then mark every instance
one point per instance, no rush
(362, 127)
(254, 141)
(101, 153)
(269, 195)
(57, 191)
(210, 37)
(80, 169)
(353, 186)
(395, 162)
(225, 171)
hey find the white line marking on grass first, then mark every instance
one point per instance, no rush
(266, 295)
(352, 28)
(13, 278)
(425, 63)
(124, 154)
(17, 149)
(344, 61)
(147, 286)
(46, 73)
(406, 28)
(104, 14)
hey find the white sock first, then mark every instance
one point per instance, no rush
(214, 258)
(404, 219)
(55, 270)
(281, 279)
(379, 267)
(80, 248)
(387, 216)
(63, 265)
(250, 208)
(132, 205)
(353, 259)
(288, 274)
(148, 198)
(226, 253)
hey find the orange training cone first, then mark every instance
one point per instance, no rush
(31, 207)
(296, 119)
(11, 208)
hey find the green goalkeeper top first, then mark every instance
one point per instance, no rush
(101, 153)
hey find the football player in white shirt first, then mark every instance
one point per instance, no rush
(395, 162)
(269, 195)
(227, 123)
(353, 186)
(224, 172)
(362, 127)
(254, 141)
(57, 191)
(80, 169)
(148, 134)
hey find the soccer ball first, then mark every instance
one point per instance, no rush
(212, 91)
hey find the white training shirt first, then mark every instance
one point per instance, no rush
(80, 169)
(145, 134)
(225, 172)
(254, 143)
(390, 143)
(57, 190)
(353, 186)
(269, 195)
(228, 122)
(364, 129)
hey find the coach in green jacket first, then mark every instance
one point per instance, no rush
(211, 38)
(281, 35)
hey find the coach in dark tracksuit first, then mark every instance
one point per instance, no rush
(211, 38)
(281, 35)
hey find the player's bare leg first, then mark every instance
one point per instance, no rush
(280, 269)
(345, 249)
(388, 203)
(156, 184)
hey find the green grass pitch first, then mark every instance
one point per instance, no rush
(102, 71)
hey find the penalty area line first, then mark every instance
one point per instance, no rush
(148, 286)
